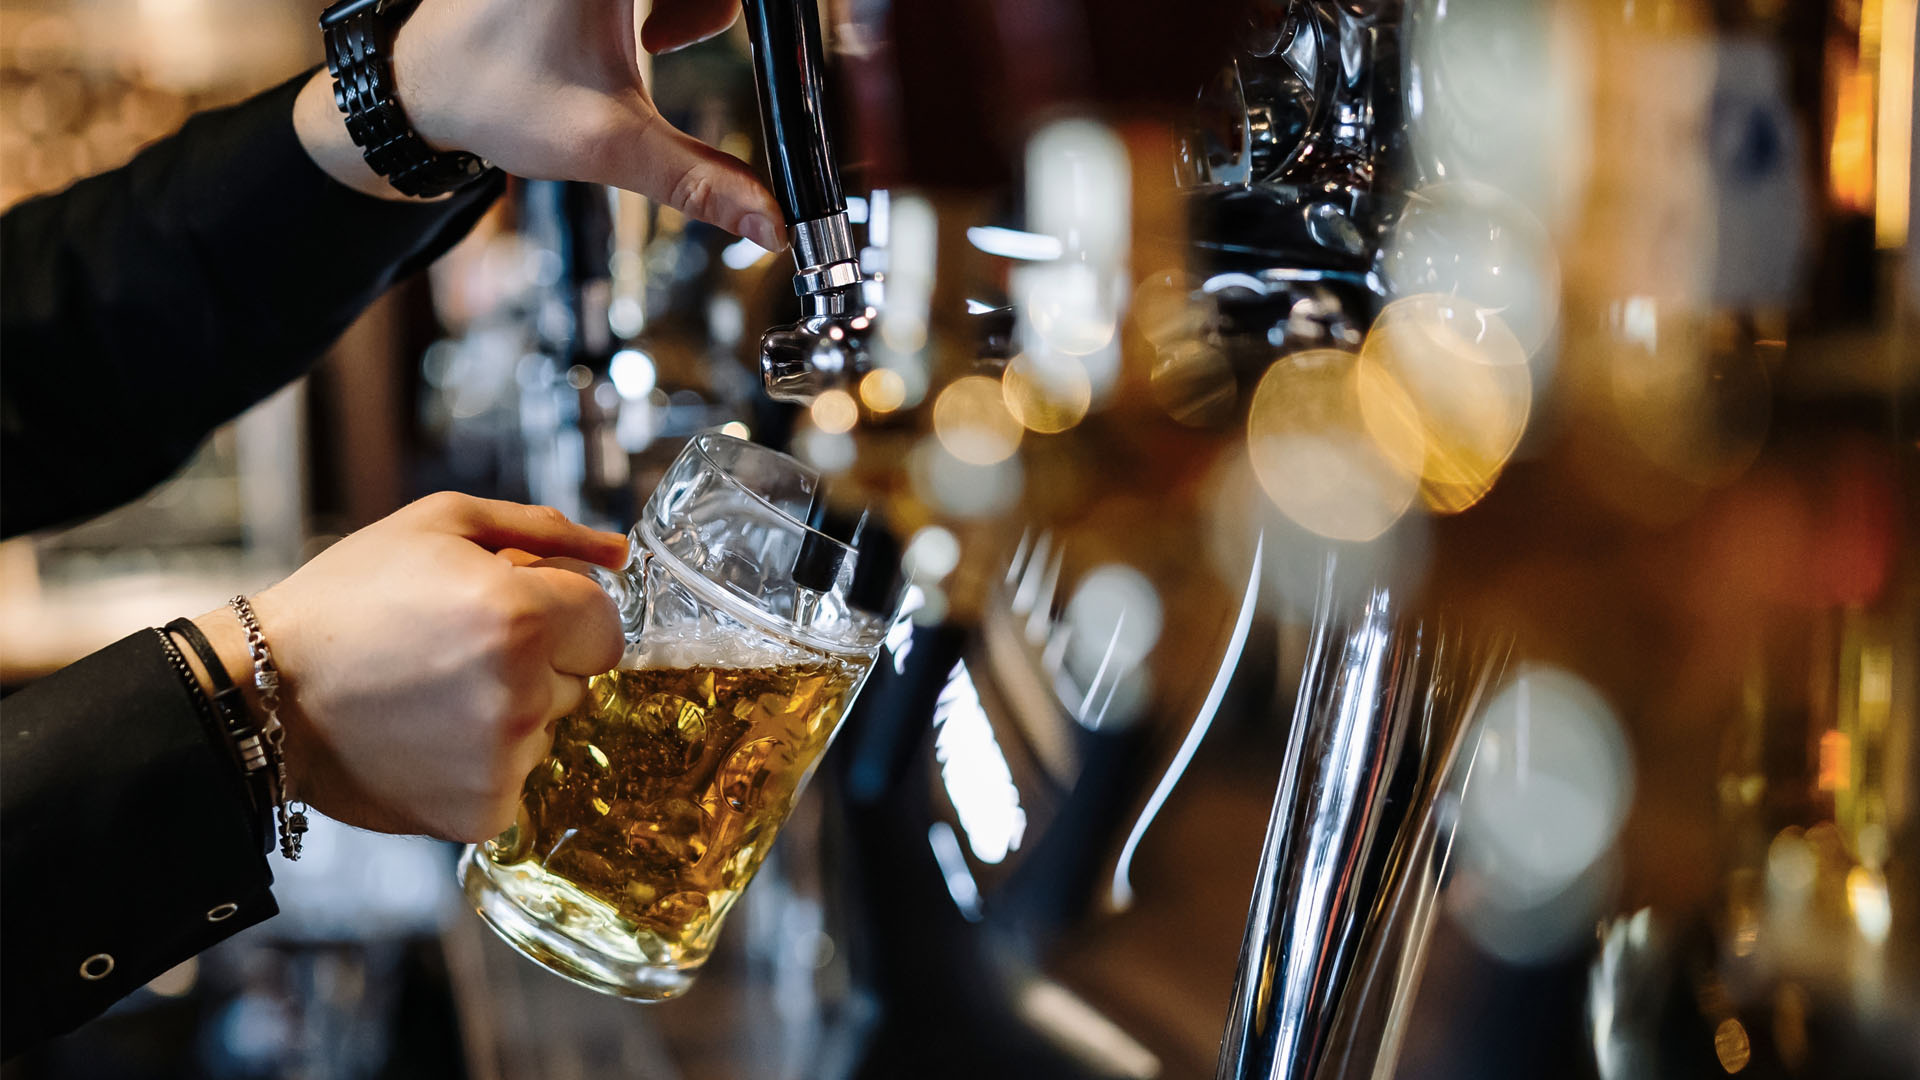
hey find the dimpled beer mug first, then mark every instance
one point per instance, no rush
(748, 633)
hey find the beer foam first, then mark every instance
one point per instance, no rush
(713, 651)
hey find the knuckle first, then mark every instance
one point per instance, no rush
(443, 504)
(549, 517)
(696, 193)
(515, 614)
(524, 625)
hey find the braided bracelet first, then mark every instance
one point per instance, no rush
(289, 812)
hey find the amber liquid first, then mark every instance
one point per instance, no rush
(664, 792)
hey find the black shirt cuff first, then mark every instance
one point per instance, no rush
(127, 835)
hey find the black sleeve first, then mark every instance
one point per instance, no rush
(127, 842)
(141, 308)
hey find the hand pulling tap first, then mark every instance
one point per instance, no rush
(827, 347)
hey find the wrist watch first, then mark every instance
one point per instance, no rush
(359, 36)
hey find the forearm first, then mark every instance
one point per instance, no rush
(143, 307)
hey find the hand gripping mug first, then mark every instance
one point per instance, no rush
(748, 633)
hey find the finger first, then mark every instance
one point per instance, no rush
(568, 692)
(676, 24)
(540, 530)
(524, 756)
(572, 566)
(583, 627)
(518, 557)
(670, 166)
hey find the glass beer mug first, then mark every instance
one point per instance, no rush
(748, 633)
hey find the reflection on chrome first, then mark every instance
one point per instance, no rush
(1121, 895)
(1080, 1029)
(953, 869)
(1014, 243)
(1111, 625)
(1347, 876)
(974, 771)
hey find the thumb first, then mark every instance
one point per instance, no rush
(672, 167)
(675, 24)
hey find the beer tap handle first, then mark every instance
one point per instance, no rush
(788, 75)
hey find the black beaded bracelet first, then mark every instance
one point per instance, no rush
(359, 38)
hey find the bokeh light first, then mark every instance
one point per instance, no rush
(1498, 91)
(1114, 620)
(1869, 904)
(1079, 188)
(1732, 1046)
(1079, 193)
(1315, 456)
(883, 390)
(932, 554)
(633, 373)
(971, 420)
(1550, 786)
(835, 412)
(1792, 868)
(912, 245)
(1472, 241)
(1698, 413)
(1551, 780)
(1294, 561)
(1068, 307)
(962, 489)
(1165, 310)
(1047, 393)
(1465, 376)
(1193, 382)
(828, 451)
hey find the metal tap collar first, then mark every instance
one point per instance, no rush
(823, 254)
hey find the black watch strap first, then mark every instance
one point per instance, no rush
(359, 37)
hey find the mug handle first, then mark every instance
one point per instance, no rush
(627, 586)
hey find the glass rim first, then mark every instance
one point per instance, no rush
(704, 441)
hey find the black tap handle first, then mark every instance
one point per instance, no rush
(787, 72)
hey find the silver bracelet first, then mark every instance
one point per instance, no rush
(290, 813)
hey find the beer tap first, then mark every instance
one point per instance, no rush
(827, 347)
(1378, 753)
